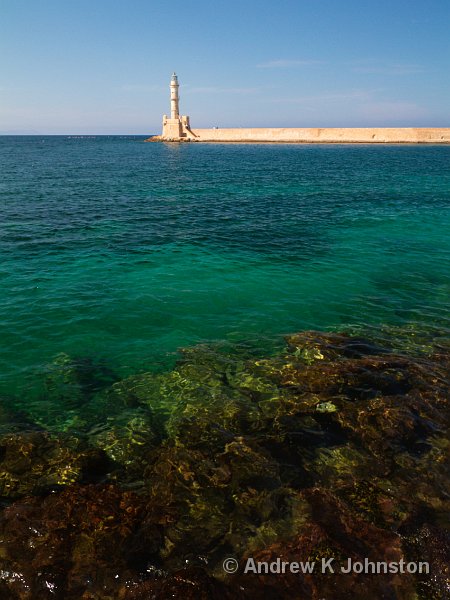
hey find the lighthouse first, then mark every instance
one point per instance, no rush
(175, 127)
(174, 98)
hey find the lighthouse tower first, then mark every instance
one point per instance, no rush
(174, 98)
(175, 127)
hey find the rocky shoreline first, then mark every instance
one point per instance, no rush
(141, 487)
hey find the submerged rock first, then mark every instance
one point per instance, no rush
(192, 583)
(331, 536)
(335, 447)
(126, 438)
(36, 462)
(76, 544)
(70, 388)
(431, 544)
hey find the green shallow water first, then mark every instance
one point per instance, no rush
(124, 251)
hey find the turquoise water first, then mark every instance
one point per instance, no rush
(124, 251)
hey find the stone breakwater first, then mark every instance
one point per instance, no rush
(333, 135)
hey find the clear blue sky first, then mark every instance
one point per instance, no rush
(103, 66)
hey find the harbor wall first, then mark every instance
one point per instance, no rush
(331, 135)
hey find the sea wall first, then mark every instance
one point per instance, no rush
(391, 135)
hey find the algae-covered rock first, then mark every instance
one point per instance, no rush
(135, 390)
(71, 379)
(36, 462)
(192, 583)
(197, 377)
(410, 339)
(211, 501)
(331, 532)
(126, 438)
(430, 544)
(67, 387)
(76, 544)
(311, 346)
(336, 447)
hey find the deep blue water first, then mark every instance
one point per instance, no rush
(125, 251)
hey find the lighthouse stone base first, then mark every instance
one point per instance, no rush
(174, 129)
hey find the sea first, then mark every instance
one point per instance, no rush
(127, 251)
(219, 353)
